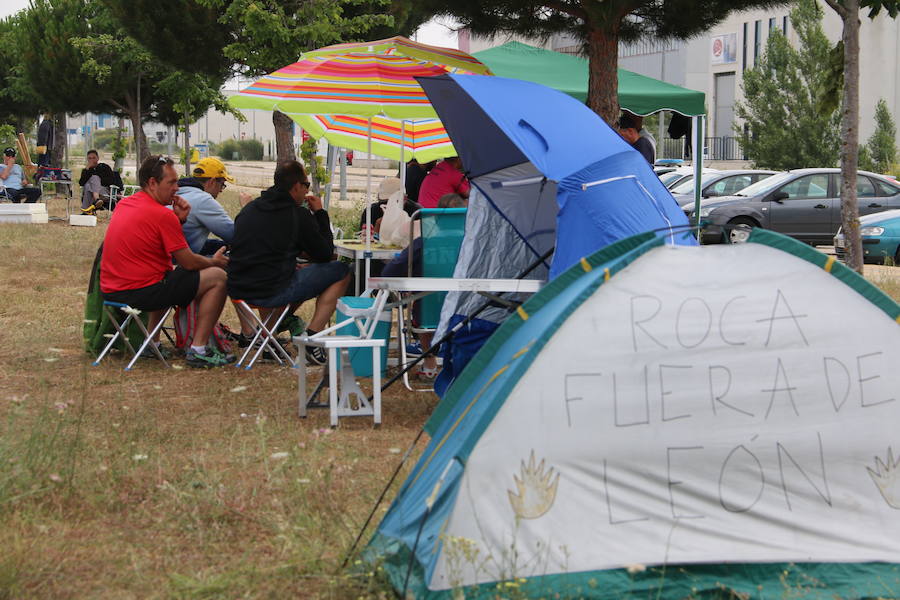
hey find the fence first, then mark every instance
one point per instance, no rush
(717, 148)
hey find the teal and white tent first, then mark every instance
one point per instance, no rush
(667, 420)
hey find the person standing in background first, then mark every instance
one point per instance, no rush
(45, 139)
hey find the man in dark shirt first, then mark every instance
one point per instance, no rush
(629, 132)
(95, 181)
(270, 234)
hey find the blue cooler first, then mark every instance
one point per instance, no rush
(361, 358)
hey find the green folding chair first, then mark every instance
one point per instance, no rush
(442, 234)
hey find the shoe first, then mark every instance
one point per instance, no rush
(316, 355)
(98, 204)
(292, 323)
(164, 350)
(89, 210)
(414, 348)
(212, 358)
(427, 374)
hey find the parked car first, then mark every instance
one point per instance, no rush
(679, 174)
(804, 204)
(880, 234)
(723, 183)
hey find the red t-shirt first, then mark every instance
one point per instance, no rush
(139, 243)
(444, 178)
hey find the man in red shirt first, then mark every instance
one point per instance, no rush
(445, 178)
(136, 268)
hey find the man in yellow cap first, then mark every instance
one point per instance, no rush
(207, 215)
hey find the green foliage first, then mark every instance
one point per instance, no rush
(269, 34)
(881, 146)
(8, 137)
(17, 98)
(242, 149)
(315, 167)
(786, 129)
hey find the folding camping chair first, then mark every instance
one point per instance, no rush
(265, 334)
(442, 234)
(345, 397)
(131, 315)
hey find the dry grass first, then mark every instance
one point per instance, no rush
(158, 484)
(155, 483)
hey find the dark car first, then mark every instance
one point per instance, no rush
(804, 204)
(722, 183)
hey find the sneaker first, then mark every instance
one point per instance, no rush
(212, 358)
(414, 348)
(89, 210)
(427, 374)
(292, 323)
(164, 350)
(316, 355)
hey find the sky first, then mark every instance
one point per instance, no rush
(437, 32)
(10, 7)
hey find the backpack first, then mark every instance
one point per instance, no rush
(97, 326)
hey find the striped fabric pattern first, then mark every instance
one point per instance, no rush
(424, 139)
(357, 83)
(456, 61)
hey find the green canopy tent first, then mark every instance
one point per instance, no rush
(638, 94)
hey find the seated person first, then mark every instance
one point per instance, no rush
(399, 267)
(629, 131)
(386, 188)
(207, 215)
(270, 234)
(136, 269)
(95, 181)
(445, 178)
(13, 178)
(415, 175)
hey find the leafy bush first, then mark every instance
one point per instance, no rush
(237, 150)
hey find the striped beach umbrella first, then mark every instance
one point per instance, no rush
(422, 139)
(455, 61)
(360, 84)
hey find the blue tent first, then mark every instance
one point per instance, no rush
(658, 423)
(547, 173)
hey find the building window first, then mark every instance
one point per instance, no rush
(744, 49)
(771, 24)
(784, 25)
(757, 35)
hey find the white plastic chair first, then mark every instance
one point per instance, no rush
(345, 397)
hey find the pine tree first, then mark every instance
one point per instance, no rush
(786, 129)
(881, 149)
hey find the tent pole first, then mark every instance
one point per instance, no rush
(698, 166)
(368, 253)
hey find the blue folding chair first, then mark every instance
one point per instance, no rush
(130, 313)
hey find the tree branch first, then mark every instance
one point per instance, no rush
(837, 7)
(567, 9)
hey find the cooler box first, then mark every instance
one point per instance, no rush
(361, 358)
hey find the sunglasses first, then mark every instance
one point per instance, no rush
(306, 183)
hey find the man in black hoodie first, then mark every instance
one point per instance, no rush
(270, 234)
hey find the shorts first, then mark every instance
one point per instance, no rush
(177, 288)
(307, 283)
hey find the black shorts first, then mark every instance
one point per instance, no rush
(177, 288)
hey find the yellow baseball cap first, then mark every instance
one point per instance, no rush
(213, 168)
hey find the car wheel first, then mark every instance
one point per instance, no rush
(738, 230)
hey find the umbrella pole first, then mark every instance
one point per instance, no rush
(368, 234)
(402, 161)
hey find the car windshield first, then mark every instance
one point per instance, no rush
(684, 187)
(668, 178)
(766, 185)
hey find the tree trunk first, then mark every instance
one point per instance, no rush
(60, 139)
(603, 74)
(187, 145)
(850, 137)
(284, 141)
(140, 137)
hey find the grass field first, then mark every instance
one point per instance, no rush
(170, 484)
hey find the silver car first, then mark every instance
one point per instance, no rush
(723, 183)
(804, 204)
